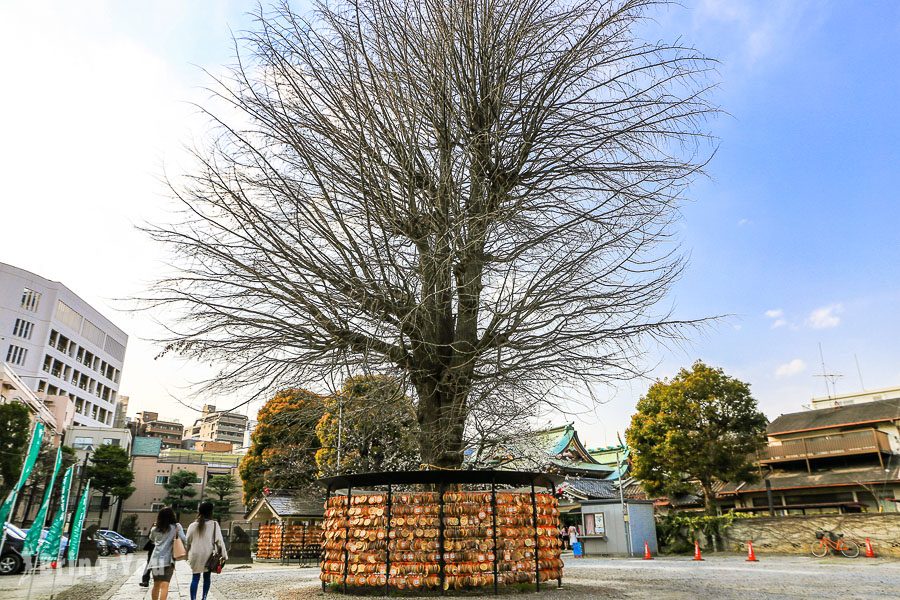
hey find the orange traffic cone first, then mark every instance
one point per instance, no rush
(870, 551)
(647, 555)
(697, 555)
(751, 556)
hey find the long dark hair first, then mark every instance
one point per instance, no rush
(205, 511)
(165, 518)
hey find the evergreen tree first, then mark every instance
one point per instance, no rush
(223, 487)
(700, 427)
(180, 492)
(15, 431)
(110, 474)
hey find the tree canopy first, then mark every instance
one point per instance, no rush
(378, 432)
(181, 493)
(110, 473)
(15, 431)
(223, 488)
(283, 446)
(477, 197)
(697, 428)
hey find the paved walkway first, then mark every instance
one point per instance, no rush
(179, 589)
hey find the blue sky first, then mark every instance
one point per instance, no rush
(793, 233)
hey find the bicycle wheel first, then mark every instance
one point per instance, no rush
(819, 549)
(850, 549)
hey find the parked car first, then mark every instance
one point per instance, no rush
(11, 561)
(113, 546)
(126, 545)
(63, 544)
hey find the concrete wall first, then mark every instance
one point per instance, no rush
(795, 534)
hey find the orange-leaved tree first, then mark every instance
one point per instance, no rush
(283, 446)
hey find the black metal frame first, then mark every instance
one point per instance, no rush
(442, 479)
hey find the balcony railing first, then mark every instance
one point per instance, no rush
(865, 441)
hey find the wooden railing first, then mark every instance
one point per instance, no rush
(864, 441)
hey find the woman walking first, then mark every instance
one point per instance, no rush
(204, 539)
(162, 561)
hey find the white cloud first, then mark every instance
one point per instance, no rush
(777, 316)
(744, 222)
(825, 317)
(788, 369)
(759, 31)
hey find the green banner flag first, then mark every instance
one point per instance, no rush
(33, 539)
(50, 549)
(34, 448)
(78, 523)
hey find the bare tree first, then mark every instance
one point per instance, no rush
(476, 195)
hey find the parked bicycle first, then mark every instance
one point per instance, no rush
(829, 540)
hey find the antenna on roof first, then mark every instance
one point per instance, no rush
(827, 376)
(859, 372)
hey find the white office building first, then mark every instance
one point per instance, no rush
(59, 345)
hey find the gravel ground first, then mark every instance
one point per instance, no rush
(84, 583)
(719, 577)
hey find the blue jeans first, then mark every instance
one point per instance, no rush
(195, 580)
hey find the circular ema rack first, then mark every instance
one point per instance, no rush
(466, 530)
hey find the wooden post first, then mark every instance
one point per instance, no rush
(552, 489)
(281, 552)
(494, 531)
(322, 550)
(387, 550)
(441, 561)
(347, 536)
(534, 515)
(806, 456)
(877, 450)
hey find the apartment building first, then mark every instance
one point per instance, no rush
(153, 465)
(59, 345)
(215, 426)
(841, 458)
(148, 424)
(85, 440)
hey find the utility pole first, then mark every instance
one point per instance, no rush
(340, 427)
(625, 517)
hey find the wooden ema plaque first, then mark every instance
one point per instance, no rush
(395, 540)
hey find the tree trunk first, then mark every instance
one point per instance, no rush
(441, 418)
(100, 518)
(709, 497)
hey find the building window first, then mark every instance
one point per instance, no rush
(156, 506)
(594, 524)
(93, 334)
(114, 348)
(23, 329)
(30, 299)
(68, 316)
(162, 479)
(111, 441)
(16, 355)
(83, 443)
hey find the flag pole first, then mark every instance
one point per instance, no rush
(8, 506)
(59, 524)
(13, 496)
(39, 523)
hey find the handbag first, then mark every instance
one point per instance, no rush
(214, 562)
(179, 552)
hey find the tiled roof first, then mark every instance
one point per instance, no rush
(593, 489)
(287, 503)
(785, 480)
(823, 418)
